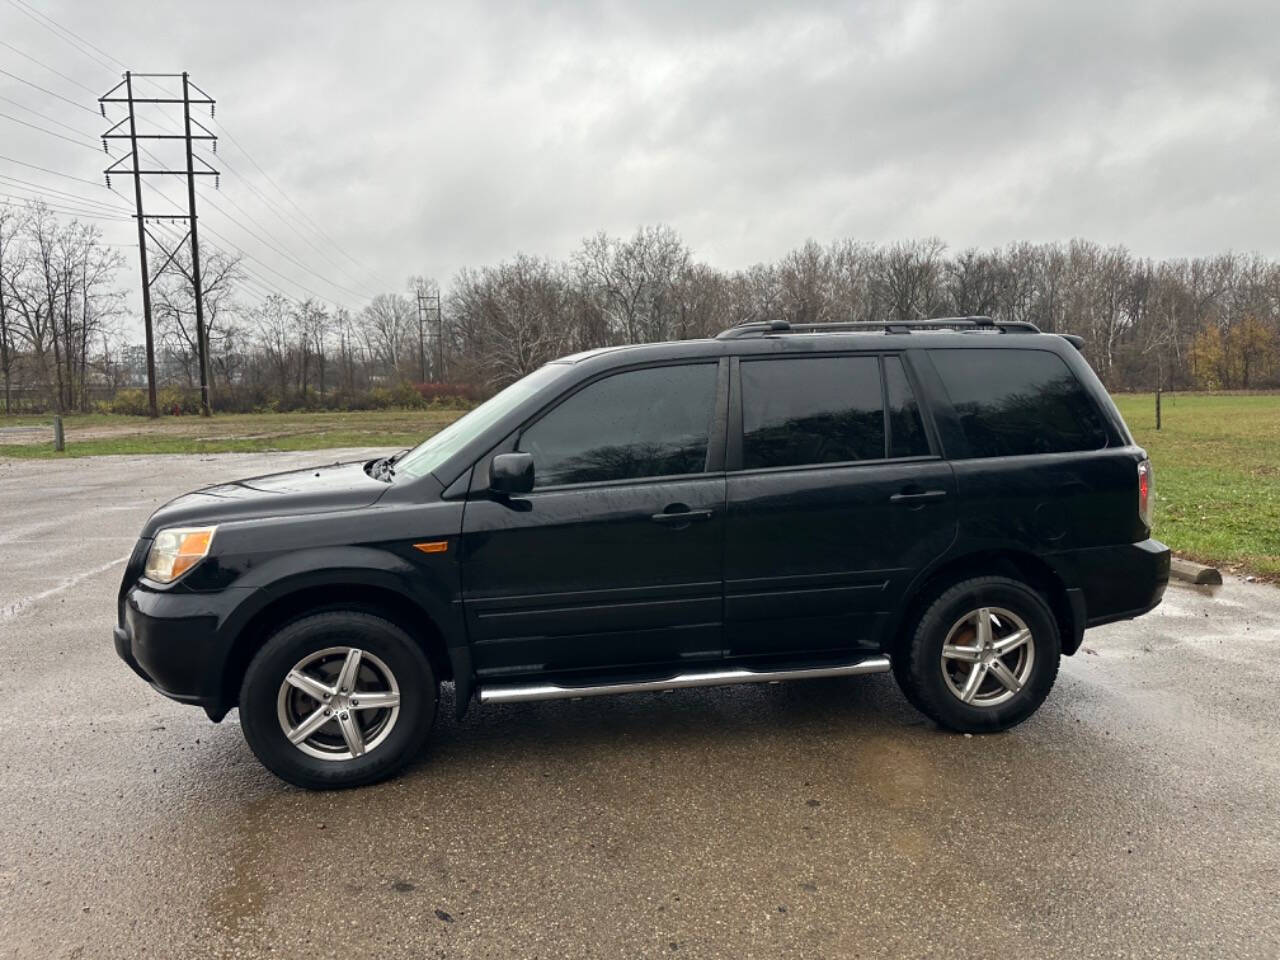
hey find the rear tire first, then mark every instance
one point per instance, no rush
(982, 657)
(301, 709)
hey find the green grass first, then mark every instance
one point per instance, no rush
(1217, 468)
(95, 434)
(1217, 458)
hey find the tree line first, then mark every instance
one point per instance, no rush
(1193, 323)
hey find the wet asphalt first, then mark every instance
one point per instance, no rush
(1136, 815)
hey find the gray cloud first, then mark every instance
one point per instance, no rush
(429, 136)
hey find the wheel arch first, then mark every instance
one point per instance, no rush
(287, 606)
(1015, 564)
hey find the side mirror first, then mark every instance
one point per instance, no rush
(511, 473)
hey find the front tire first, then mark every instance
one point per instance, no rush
(982, 657)
(337, 699)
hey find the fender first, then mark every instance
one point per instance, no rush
(429, 585)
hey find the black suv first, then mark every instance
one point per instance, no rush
(955, 501)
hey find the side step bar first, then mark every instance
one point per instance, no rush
(513, 693)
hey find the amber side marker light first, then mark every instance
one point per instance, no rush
(432, 546)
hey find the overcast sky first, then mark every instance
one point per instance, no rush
(424, 137)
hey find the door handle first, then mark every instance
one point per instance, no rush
(914, 498)
(676, 516)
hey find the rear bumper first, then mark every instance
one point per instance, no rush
(173, 642)
(1106, 584)
(1132, 582)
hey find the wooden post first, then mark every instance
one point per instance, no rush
(59, 443)
(1159, 383)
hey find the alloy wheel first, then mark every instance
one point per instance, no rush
(339, 703)
(987, 656)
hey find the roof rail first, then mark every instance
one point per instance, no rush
(892, 326)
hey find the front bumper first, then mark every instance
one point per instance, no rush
(173, 641)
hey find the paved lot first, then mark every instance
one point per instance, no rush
(1138, 814)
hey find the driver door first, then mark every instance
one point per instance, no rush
(613, 561)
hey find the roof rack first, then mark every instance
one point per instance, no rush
(765, 328)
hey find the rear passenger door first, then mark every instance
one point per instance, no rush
(836, 497)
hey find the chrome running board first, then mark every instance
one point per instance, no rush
(512, 693)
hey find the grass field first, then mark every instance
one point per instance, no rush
(1217, 466)
(1217, 458)
(94, 434)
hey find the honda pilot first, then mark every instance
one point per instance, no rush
(955, 501)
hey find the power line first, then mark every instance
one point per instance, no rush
(282, 253)
(266, 244)
(267, 266)
(225, 132)
(57, 96)
(260, 287)
(52, 133)
(283, 218)
(66, 210)
(59, 73)
(79, 43)
(81, 198)
(65, 33)
(231, 246)
(32, 13)
(44, 117)
(55, 173)
(260, 240)
(70, 38)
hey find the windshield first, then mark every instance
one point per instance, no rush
(435, 450)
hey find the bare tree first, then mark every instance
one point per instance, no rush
(173, 306)
(387, 324)
(909, 279)
(274, 322)
(10, 267)
(634, 280)
(508, 317)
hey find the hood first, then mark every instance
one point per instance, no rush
(339, 486)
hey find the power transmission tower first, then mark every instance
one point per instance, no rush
(439, 339)
(423, 299)
(422, 341)
(190, 172)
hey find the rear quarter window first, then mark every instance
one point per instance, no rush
(1017, 402)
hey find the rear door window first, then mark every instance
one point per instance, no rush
(811, 410)
(1015, 402)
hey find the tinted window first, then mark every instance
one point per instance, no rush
(811, 410)
(643, 423)
(1014, 402)
(906, 429)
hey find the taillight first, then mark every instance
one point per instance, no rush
(1146, 491)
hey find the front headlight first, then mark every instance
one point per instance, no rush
(177, 550)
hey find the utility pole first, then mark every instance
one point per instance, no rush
(142, 253)
(160, 169)
(201, 342)
(422, 342)
(439, 339)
